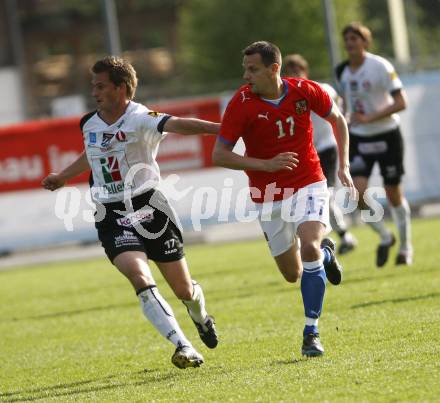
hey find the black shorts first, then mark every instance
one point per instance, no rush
(329, 159)
(145, 228)
(386, 149)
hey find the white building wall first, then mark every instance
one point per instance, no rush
(11, 108)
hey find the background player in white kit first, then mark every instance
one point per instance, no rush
(373, 94)
(121, 140)
(295, 65)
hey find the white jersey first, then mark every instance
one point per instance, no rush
(323, 137)
(130, 144)
(369, 89)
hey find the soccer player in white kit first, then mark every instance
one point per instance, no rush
(295, 65)
(373, 94)
(133, 219)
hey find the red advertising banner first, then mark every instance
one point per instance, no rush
(29, 151)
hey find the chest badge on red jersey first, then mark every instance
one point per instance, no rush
(301, 106)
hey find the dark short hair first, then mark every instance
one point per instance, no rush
(269, 52)
(360, 30)
(119, 71)
(295, 62)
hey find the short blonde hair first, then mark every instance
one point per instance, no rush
(360, 30)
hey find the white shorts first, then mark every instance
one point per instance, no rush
(279, 220)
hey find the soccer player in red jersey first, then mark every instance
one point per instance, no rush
(272, 116)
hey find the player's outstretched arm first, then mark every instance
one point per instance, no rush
(54, 181)
(223, 156)
(188, 126)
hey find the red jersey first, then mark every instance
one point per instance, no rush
(268, 129)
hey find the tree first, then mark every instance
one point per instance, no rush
(213, 34)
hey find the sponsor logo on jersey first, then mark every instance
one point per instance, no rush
(92, 137)
(106, 138)
(131, 219)
(374, 147)
(105, 190)
(121, 136)
(154, 114)
(263, 116)
(366, 85)
(301, 106)
(391, 171)
(243, 96)
(127, 238)
(110, 169)
(353, 85)
(170, 251)
(171, 246)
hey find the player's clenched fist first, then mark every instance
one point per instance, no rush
(52, 182)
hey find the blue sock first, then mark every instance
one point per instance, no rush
(310, 329)
(327, 255)
(313, 289)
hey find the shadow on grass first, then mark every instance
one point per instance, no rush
(393, 272)
(294, 361)
(91, 385)
(396, 300)
(70, 313)
(370, 278)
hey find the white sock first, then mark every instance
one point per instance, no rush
(402, 218)
(196, 305)
(336, 217)
(160, 314)
(349, 238)
(382, 230)
(312, 321)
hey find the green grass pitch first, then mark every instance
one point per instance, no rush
(74, 331)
